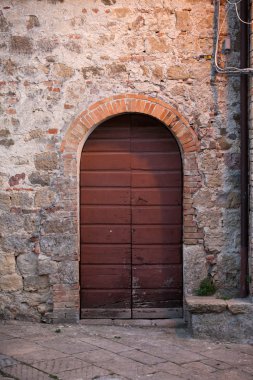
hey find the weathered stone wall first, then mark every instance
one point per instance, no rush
(57, 59)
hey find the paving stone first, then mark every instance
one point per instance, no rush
(110, 377)
(16, 346)
(248, 369)
(246, 348)
(195, 346)
(55, 366)
(233, 375)
(126, 367)
(96, 356)
(43, 354)
(159, 376)
(183, 372)
(13, 331)
(85, 373)
(198, 366)
(24, 329)
(6, 361)
(40, 338)
(24, 372)
(7, 377)
(132, 342)
(142, 357)
(4, 336)
(106, 344)
(68, 346)
(230, 356)
(174, 354)
(171, 368)
(216, 364)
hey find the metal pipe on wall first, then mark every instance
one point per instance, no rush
(244, 54)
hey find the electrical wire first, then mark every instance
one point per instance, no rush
(228, 69)
(244, 22)
(234, 2)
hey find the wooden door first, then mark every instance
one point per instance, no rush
(131, 221)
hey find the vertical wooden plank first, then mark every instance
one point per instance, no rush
(156, 221)
(105, 217)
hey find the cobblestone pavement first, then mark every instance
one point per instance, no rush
(31, 351)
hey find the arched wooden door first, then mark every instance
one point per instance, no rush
(131, 221)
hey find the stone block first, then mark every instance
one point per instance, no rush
(21, 45)
(116, 69)
(157, 45)
(4, 132)
(7, 142)
(213, 318)
(63, 71)
(223, 326)
(27, 264)
(233, 200)
(32, 22)
(7, 264)
(91, 71)
(60, 246)
(108, 2)
(34, 134)
(46, 161)
(11, 283)
(34, 283)
(22, 200)
(69, 272)
(16, 179)
(177, 73)
(10, 223)
(37, 178)
(46, 266)
(66, 316)
(240, 306)
(14, 244)
(203, 305)
(5, 201)
(224, 143)
(73, 46)
(183, 20)
(194, 267)
(56, 225)
(47, 45)
(44, 198)
(4, 26)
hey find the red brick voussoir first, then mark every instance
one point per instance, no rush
(104, 109)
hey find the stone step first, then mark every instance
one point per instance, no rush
(170, 323)
(219, 319)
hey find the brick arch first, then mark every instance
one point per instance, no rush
(70, 152)
(118, 104)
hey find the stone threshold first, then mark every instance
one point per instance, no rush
(170, 323)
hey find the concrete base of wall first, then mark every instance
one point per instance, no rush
(218, 319)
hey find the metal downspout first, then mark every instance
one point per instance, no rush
(244, 54)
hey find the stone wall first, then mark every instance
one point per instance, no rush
(58, 57)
